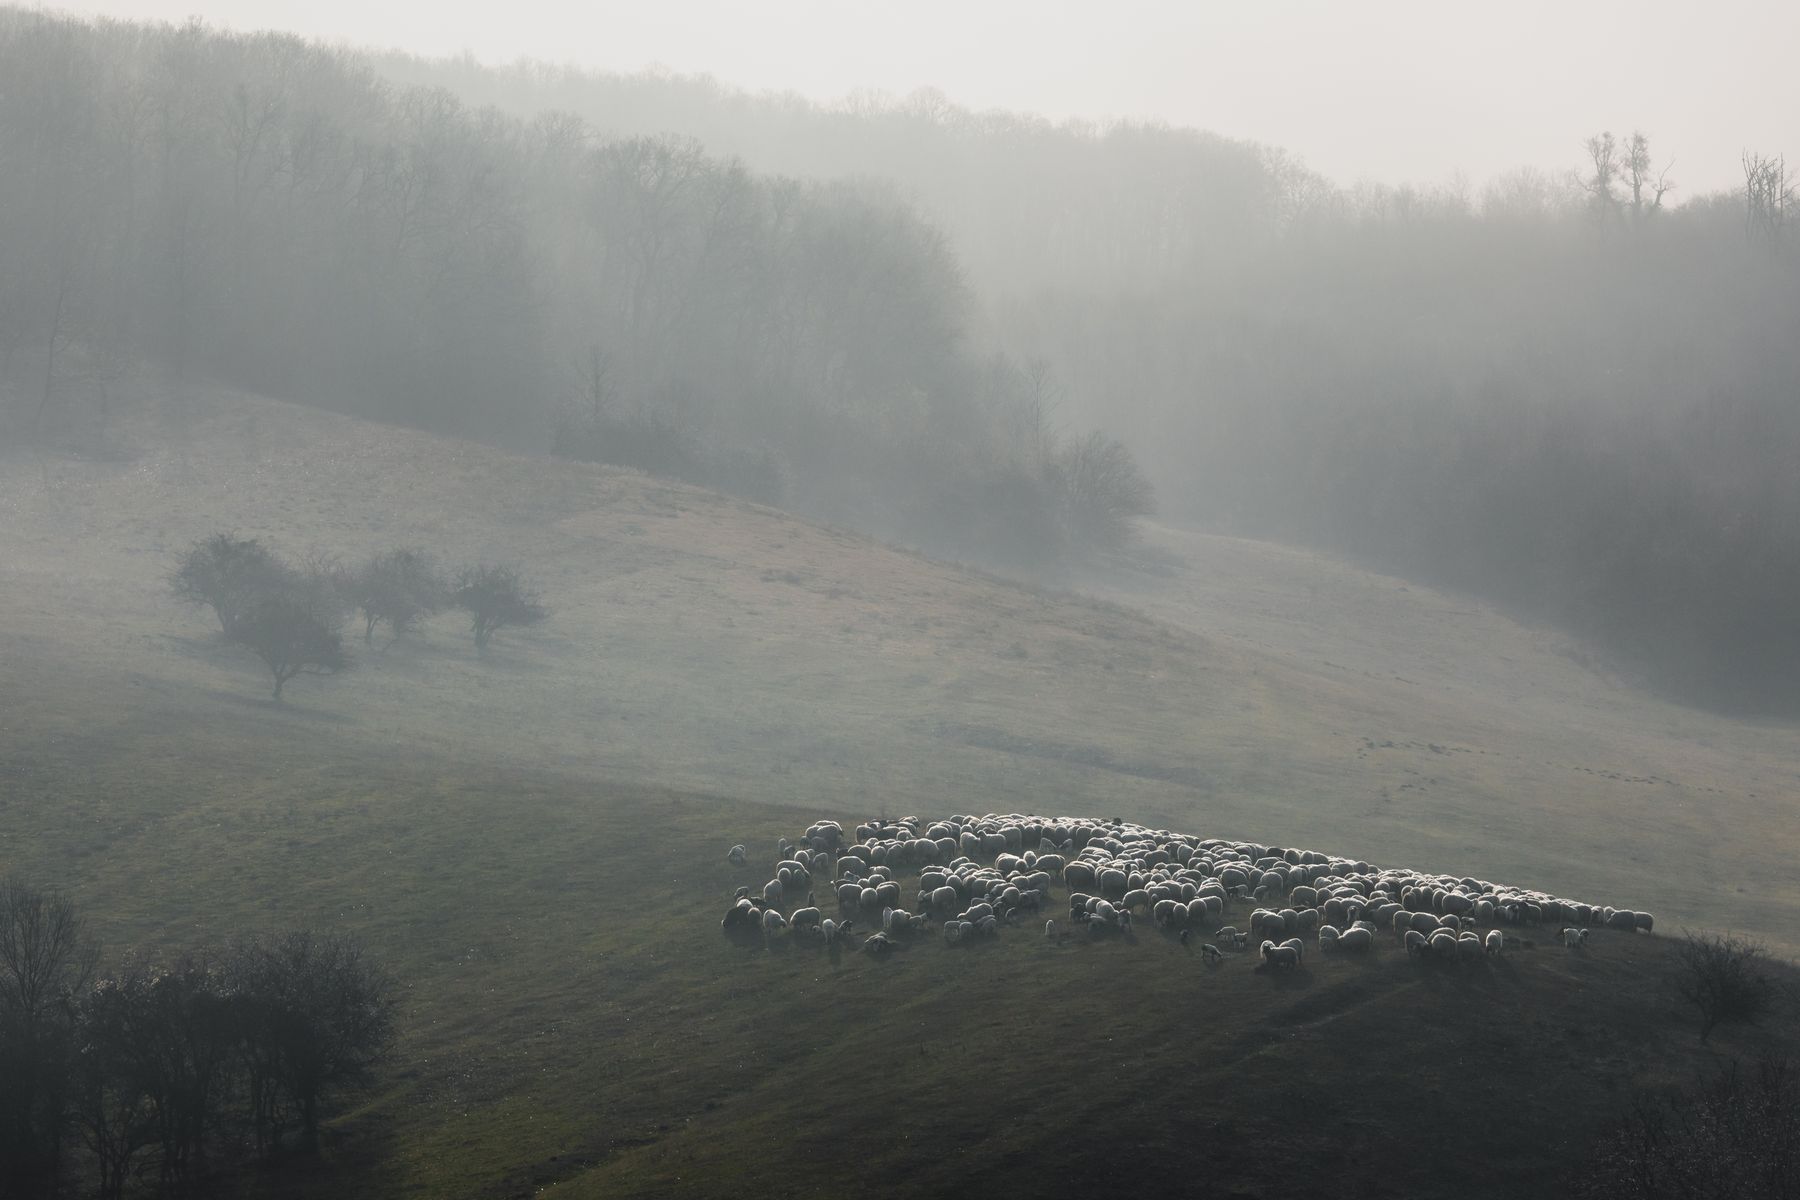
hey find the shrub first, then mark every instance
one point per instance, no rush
(1737, 1135)
(1724, 976)
(294, 631)
(226, 574)
(495, 597)
(399, 587)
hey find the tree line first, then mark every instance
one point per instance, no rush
(291, 617)
(167, 1073)
(271, 212)
(1566, 389)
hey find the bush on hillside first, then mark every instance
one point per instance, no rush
(226, 574)
(1725, 977)
(400, 587)
(496, 597)
(1737, 1135)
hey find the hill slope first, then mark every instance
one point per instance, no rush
(704, 643)
(533, 843)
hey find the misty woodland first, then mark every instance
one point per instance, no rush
(478, 542)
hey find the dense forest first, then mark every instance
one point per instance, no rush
(271, 213)
(1574, 394)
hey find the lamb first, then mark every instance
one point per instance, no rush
(1495, 942)
(1211, 953)
(737, 856)
(1050, 931)
(1279, 956)
(1572, 937)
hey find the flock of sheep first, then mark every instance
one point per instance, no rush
(977, 875)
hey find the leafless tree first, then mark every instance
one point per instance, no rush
(1725, 977)
(496, 597)
(294, 631)
(1768, 196)
(399, 587)
(1648, 182)
(225, 573)
(46, 959)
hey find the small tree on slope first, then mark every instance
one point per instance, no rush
(495, 597)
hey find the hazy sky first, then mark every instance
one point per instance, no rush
(1394, 90)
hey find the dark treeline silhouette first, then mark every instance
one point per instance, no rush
(1560, 391)
(164, 1074)
(272, 213)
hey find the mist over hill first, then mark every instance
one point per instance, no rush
(1568, 388)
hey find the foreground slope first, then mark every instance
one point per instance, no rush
(571, 1018)
(703, 643)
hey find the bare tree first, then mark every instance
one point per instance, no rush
(1648, 183)
(316, 1017)
(45, 954)
(1724, 977)
(226, 573)
(1100, 489)
(294, 631)
(399, 587)
(1603, 176)
(46, 959)
(496, 597)
(1768, 195)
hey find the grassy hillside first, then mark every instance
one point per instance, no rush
(534, 842)
(707, 644)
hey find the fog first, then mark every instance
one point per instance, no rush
(527, 537)
(1411, 92)
(991, 334)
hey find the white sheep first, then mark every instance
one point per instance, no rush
(1495, 942)
(1357, 937)
(805, 918)
(1279, 956)
(1211, 953)
(737, 856)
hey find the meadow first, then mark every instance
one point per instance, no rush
(533, 840)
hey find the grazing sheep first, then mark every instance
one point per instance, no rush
(1356, 938)
(1211, 953)
(1279, 956)
(772, 922)
(1495, 942)
(1572, 937)
(1296, 945)
(1328, 936)
(878, 945)
(772, 891)
(1415, 943)
(737, 856)
(804, 918)
(1050, 931)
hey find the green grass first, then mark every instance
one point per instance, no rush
(534, 842)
